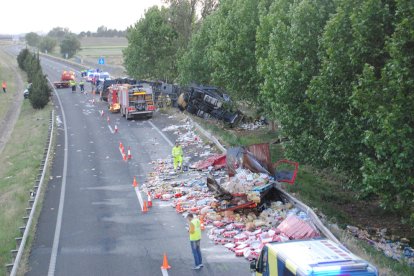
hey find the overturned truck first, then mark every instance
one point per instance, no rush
(209, 102)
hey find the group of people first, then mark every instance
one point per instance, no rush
(72, 84)
(194, 223)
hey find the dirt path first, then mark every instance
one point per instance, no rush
(7, 123)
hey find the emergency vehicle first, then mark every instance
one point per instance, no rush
(136, 100)
(320, 257)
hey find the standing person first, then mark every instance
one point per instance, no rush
(82, 86)
(4, 86)
(72, 83)
(177, 154)
(195, 238)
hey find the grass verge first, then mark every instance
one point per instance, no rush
(20, 164)
(6, 98)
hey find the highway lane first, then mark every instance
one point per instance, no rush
(103, 231)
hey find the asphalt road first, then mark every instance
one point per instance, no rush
(103, 230)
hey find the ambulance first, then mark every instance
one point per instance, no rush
(320, 257)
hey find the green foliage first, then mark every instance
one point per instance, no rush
(32, 39)
(69, 45)
(194, 65)
(151, 51)
(288, 58)
(40, 91)
(387, 105)
(233, 53)
(21, 58)
(59, 33)
(47, 44)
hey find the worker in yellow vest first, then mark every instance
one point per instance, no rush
(195, 238)
(177, 154)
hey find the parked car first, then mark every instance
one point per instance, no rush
(26, 91)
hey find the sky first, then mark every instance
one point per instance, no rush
(24, 16)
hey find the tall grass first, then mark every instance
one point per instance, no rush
(20, 163)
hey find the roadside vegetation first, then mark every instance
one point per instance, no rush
(336, 76)
(321, 190)
(20, 161)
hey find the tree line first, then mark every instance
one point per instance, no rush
(69, 42)
(338, 76)
(39, 90)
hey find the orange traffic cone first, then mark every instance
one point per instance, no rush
(149, 200)
(129, 153)
(116, 129)
(135, 183)
(165, 264)
(145, 208)
(124, 157)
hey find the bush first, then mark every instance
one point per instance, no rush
(39, 92)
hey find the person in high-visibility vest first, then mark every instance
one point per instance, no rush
(4, 86)
(82, 86)
(195, 238)
(177, 154)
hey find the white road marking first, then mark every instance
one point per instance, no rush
(162, 134)
(139, 198)
(110, 128)
(55, 247)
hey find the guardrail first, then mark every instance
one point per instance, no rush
(34, 198)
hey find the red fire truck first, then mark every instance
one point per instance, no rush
(136, 100)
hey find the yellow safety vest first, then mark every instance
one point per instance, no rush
(197, 230)
(177, 151)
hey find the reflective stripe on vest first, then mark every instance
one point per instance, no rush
(197, 230)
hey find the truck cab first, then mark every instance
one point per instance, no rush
(320, 257)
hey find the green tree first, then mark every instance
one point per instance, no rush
(59, 33)
(195, 64)
(287, 51)
(32, 39)
(353, 37)
(47, 44)
(233, 55)
(151, 51)
(182, 15)
(69, 45)
(21, 58)
(386, 103)
(40, 91)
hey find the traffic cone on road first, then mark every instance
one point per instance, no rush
(165, 264)
(145, 208)
(135, 183)
(149, 200)
(129, 153)
(124, 157)
(116, 129)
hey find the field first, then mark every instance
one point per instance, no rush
(110, 48)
